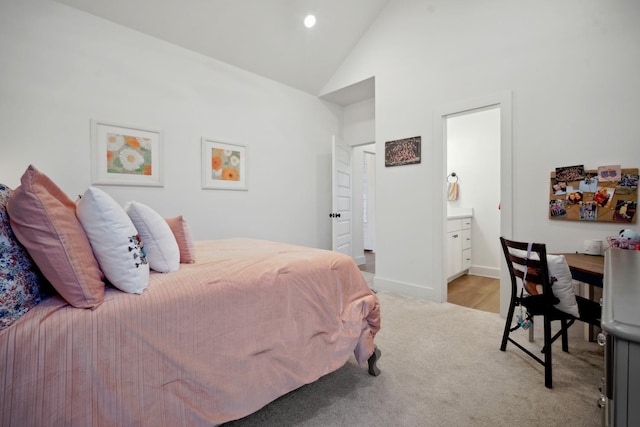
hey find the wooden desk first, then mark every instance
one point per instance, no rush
(588, 269)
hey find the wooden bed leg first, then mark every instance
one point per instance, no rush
(373, 369)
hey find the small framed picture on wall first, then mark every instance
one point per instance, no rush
(224, 165)
(126, 155)
(402, 152)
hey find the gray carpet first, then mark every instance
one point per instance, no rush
(441, 366)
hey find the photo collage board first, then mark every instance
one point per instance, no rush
(606, 194)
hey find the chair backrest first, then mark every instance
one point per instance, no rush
(527, 261)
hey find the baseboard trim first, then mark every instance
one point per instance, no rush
(491, 272)
(407, 289)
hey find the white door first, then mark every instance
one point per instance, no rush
(341, 196)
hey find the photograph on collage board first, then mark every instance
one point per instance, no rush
(588, 211)
(570, 173)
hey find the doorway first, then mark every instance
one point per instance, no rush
(353, 202)
(473, 158)
(365, 206)
(486, 259)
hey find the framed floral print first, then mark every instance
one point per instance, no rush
(224, 165)
(126, 155)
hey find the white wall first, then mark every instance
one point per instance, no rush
(571, 66)
(473, 153)
(359, 122)
(59, 67)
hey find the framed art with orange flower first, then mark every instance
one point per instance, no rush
(126, 155)
(224, 165)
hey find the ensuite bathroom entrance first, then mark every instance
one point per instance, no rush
(472, 140)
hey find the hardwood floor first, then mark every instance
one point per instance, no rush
(480, 293)
(370, 265)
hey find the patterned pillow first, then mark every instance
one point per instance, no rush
(115, 241)
(19, 276)
(562, 288)
(160, 245)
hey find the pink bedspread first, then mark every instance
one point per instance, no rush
(248, 322)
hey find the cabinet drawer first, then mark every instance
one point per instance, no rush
(466, 223)
(466, 239)
(466, 259)
(454, 224)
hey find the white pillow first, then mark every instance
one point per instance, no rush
(163, 253)
(114, 240)
(563, 286)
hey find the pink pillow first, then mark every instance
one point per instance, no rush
(44, 220)
(180, 228)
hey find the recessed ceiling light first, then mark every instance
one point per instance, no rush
(309, 21)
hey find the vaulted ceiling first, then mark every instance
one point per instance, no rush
(266, 37)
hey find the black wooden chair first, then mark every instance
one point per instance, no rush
(528, 262)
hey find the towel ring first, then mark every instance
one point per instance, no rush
(452, 175)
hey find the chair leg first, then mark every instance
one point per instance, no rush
(531, 331)
(565, 336)
(507, 325)
(548, 381)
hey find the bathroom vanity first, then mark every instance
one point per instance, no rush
(458, 242)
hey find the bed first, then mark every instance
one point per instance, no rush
(214, 341)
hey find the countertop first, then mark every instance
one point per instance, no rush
(621, 294)
(457, 213)
(458, 216)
